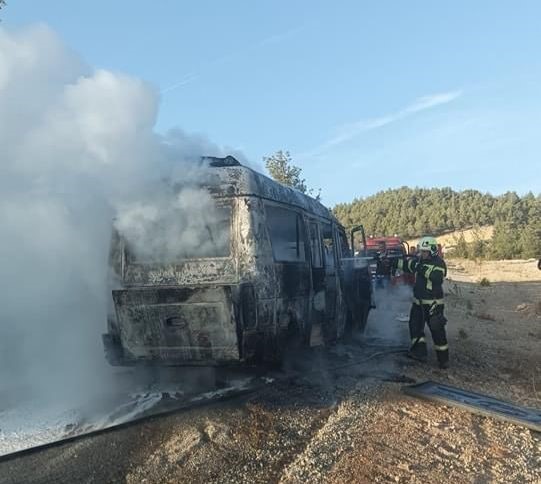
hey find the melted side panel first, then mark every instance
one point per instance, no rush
(221, 308)
(256, 267)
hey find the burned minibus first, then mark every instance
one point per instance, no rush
(275, 269)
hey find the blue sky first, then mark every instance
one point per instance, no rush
(365, 95)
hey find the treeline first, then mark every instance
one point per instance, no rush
(510, 241)
(413, 212)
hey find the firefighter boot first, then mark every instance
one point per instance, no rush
(436, 323)
(443, 358)
(418, 349)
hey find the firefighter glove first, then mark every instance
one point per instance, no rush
(420, 269)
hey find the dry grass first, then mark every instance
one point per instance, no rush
(470, 235)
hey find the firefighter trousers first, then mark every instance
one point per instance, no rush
(432, 315)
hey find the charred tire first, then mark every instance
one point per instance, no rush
(348, 329)
(356, 323)
(255, 354)
(289, 343)
(363, 317)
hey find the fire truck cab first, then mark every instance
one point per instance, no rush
(383, 250)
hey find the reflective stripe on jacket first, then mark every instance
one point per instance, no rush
(429, 276)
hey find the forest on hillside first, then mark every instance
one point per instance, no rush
(413, 212)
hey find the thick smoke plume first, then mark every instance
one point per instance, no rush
(170, 225)
(76, 147)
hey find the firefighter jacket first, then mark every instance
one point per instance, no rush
(429, 276)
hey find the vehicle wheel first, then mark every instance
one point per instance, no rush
(347, 337)
(292, 344)
(363, 317)
(355, 325)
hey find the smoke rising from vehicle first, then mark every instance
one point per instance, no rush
(389, 320)
(171, 225)
(77, 148)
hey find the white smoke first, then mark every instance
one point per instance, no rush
(388, 321)
(171, 225)
(75, 145)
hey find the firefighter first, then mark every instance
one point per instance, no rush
(427, 308)
(383, 266)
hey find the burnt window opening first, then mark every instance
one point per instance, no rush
(287, 234)
(345, 251)
(329, 246)
(182, 237)
(219, 235)
(315, 245)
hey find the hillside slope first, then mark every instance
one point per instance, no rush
(414, 212)
(449, 240)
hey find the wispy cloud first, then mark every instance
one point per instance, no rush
(192, 76)
(351, 130)
(267, 41)
(280, 36)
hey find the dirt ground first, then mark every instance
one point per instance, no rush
(494, 271)
(353, 423)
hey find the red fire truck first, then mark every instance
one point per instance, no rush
(381, 251)
(384, 250)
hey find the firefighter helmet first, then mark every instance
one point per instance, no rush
(430, 244)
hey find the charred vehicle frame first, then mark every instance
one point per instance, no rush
(288, 275)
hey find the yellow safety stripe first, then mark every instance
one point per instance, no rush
(410, 263)
(438, 268)
(441, 269)
(420, 340)
(430, 269)
(441, 347)
(437, 302)
(400, 264)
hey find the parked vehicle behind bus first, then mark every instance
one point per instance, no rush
(283, 273)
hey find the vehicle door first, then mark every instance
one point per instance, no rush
(318, 313)
(331, 279)
(343, 276)
(288, 238)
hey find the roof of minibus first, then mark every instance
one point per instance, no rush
(228, 178)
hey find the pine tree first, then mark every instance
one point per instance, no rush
(281, 168)
(530, 241)
(504, 243)
(461, 247)
(413, 212)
